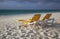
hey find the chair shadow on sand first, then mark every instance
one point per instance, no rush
(48, 23)
(57, 24)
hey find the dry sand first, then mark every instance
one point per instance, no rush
(9, 23)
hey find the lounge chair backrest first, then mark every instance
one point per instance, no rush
(47, 16)
(35, 17)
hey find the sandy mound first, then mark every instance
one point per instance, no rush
(21, 32)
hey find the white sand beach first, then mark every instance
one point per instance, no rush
(10, 27)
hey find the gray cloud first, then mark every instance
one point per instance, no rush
(33, 0)
(29, 4)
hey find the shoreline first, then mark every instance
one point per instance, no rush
(12, 13)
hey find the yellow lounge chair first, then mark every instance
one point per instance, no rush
(45, 22)
(35, 18)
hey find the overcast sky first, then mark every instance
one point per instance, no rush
(30, 4)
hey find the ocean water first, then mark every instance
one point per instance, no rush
(12, 12)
